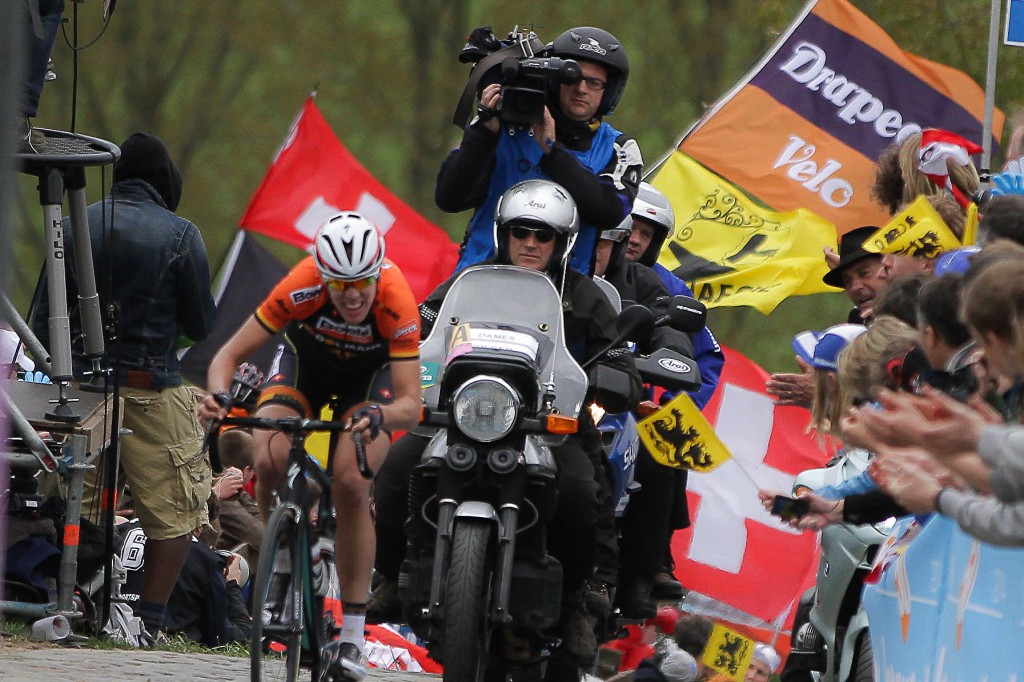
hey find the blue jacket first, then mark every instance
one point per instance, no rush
(706, 351)
(158, 271)
(517, 159)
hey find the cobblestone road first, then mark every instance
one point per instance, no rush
(47, 663)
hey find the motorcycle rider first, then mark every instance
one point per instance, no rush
(654, 222)
(646, 526)
(535, 227)
(598, 165)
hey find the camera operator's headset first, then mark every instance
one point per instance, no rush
(464, 108)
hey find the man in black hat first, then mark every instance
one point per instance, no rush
(857, 272)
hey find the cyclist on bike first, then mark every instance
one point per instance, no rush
(352, 329)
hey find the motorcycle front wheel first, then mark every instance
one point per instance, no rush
(863, 667)
(466, 635)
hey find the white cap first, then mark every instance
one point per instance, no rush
(677, 665)
(10, 345)
(767, 655)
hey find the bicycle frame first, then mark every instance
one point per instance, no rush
(304, 625)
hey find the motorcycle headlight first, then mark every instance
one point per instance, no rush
(486, 408)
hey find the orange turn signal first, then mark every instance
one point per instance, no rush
(560, 424)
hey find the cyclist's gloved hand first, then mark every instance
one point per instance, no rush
(374, 414)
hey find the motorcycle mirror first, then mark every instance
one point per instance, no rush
(635, 322)
(685, 314)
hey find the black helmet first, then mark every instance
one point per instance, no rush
(601, 47)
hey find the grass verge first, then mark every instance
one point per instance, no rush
(19, 631)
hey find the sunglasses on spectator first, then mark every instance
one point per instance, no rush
(357, 284)
(542, 234)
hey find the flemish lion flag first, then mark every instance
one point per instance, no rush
(917, 230)
(678, 436)
(728, 652)
(734, 251)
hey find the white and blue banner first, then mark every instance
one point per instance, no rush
(947, 608)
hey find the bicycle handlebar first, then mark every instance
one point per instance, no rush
(285, 424)
(297, 425)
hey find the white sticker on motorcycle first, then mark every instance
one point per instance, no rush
(504, 339)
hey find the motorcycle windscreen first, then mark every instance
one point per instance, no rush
(525, 304)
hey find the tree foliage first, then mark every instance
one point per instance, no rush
(221, 82)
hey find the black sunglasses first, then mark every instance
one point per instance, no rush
(541, 234)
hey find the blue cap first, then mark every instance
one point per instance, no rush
(831, 342)
(804, 343)
(955, 262)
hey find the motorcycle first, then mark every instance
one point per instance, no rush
(479, 583)
(832, 640)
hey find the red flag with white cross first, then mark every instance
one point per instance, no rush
(314, 176)
(735, 551)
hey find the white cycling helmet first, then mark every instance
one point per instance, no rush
(348, 247)
(652, 206)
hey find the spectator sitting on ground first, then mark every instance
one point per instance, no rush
(207, 604)
(241, 524)
(672, 664)
(766, 661)
(691, 634)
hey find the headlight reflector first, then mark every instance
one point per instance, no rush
(486, 408)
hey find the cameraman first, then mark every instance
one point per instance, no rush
(597, 164)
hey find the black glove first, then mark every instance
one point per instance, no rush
(374, 414)
(245, 386)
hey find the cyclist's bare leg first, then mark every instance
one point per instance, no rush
(355, 538)
(270, 449)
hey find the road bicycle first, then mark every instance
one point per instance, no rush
(295, 612)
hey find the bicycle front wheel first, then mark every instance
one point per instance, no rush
(276, 645)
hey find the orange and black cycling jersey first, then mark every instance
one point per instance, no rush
(390, 332)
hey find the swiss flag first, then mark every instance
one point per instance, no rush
(314, 176)
(735, 551)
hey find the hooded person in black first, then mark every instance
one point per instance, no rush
(144, 157)
(152, 270)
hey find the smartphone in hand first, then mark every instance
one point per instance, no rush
(790, 509)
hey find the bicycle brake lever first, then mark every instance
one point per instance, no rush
(364, 468)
